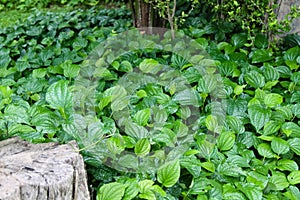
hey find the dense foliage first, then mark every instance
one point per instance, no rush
(205, 117)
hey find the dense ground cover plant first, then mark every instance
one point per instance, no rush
(252, 153)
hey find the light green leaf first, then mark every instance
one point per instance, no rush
(150, 66)
(265, 150)
(145, 185)
(132, 189)
(291, 129)
(111, 191)
(259, 116)
(239, 89)
(230, 169)
(292, 193)
(39, 73)
(209, 166)
(279, 180)
(235, 124)
(125, 66)
(142, 147)
(71, 71)
(169, 173)
(295, 145)
(287, 165)
(79, 43)
(58, 96)
(211, 123)
(272, 100)
(226, 141)
(135, 131)
(142, 116)
(255, 79)
(186, 97)
(271, 127)
(19, 129)
(206, 149)
(280, 146)
(251, 191)
(294, 177)
(192, 164)
(257, 179)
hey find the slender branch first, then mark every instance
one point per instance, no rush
(174, 9)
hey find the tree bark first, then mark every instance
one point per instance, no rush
(145, 16)
(41, 171)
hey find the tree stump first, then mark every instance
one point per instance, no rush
(41, 171)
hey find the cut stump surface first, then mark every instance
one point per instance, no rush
(41, 171)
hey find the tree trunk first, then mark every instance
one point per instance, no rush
(145, 17)
(41, 171)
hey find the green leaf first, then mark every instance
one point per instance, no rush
(226, 141)
(135, 131)
(295, 145)
(192, 164)
(20, 129)
(261, 55)
(287, 165)
(150, 66)
(271, 127)
(239, 89)
(291, 129)
(211, 123)
(39, 73)
(142, 116)
(255, 79)
(272, 100)
(169, 173)
(230, 169)
(265, 150)
(279, 180)
(257, 179)
(251, 191)
(235, 124)
(206, 149)
(239, 40)
(280, 146)
(71, 71)
(22, 65)
(125, 66)
(79, 43)
(296, 77)
(131, 190)
(58, 96)
(142, 147)
(111, 191)
(261, 41)
(186, 97)
(294, 177)
(120, 100)
(259, 116)
(209, 166)
(292, 54)
(292, 193)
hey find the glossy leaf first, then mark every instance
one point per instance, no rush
(142, 147)
(226, 141)
(111, 191)
(259, 116)
(169, 173)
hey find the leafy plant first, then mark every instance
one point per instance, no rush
(156, 121)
